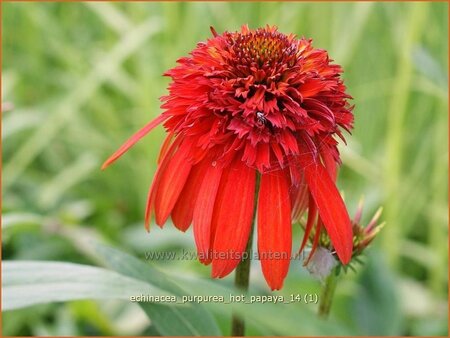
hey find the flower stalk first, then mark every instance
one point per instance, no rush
(320, 264)
(326, 297)
(241, 282)
(242, 274)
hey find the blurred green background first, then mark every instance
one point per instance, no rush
(79, 78)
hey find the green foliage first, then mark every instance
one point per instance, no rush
(79, 78)
(27, 283)
(188, 320)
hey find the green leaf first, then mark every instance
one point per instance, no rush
(14, 219)
(194, 319)
(27, 283)
(281, 319)
(189, 320)
(376, 306)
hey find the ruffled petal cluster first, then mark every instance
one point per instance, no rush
(253, 119)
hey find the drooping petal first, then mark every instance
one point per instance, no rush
(312, 216)
(162, 165)
(171, 184)
(165, 146)
(315, 241)
(203, 212)
(329, 162)
(133, 139)
(232, 218)
(299, 200)
(295, 172)
(330, 205)
(274, 228)
(183, 211)
(150, 202)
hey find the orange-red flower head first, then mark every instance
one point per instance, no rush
(247, 103)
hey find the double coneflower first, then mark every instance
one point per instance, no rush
(242, 105)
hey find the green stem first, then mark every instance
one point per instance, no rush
(242, 276)
(326, 297)
(241, 281)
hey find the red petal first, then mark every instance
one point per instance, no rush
(312, 216)
(278, 152)
(203, 212)
(213, 31)
(312, 87)
(315, 242)
(165, 146)
(151, 197)
(274, 228)
(133, 139)
(299, 200)
(232, 218)
(173, 179)
(165, 158)
(183, 211)
(330, 205)
(329, 162)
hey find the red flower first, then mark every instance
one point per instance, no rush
(243, 103)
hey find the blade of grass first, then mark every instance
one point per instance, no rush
(438, 230)
(395, 128)
(70, 105)
(111, 16)
(70, 176)
(345, 41)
